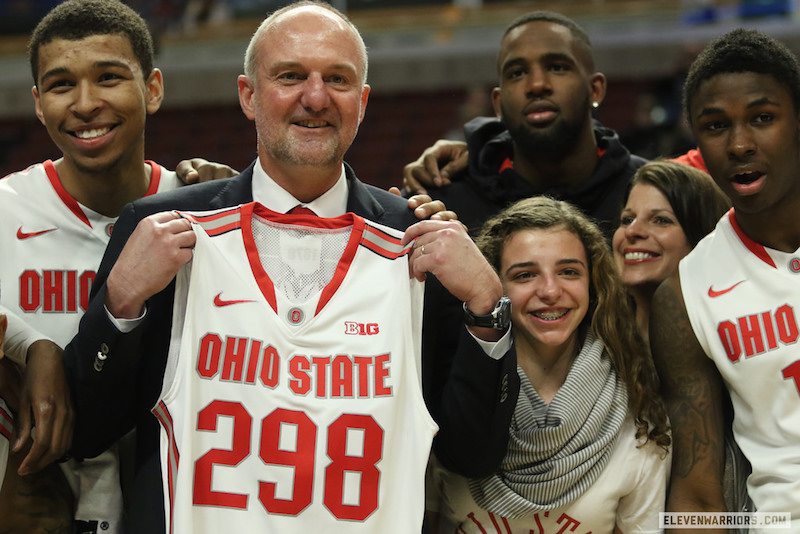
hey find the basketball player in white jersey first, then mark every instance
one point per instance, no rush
(94, 86)
(728, 319)
(305, 90)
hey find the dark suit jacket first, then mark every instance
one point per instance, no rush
(471, 396)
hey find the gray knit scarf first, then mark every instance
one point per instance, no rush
(556, 452)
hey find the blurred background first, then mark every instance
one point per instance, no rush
(432, 67)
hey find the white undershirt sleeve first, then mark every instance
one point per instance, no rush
(19, 337)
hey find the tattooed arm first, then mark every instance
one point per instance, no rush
(694, 393)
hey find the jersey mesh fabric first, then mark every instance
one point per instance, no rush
(307, 275)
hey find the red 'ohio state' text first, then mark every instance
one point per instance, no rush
(248, 361)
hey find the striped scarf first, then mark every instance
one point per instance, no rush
(556, 452)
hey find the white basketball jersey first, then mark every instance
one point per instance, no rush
(6, 422)
(292, 398)
(51, 247)
(741, 299)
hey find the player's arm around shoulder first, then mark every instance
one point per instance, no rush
(693, 391)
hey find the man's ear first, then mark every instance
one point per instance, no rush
(364, 97)
(37, 104)
(246, 91)
(155, 91)
(598, 83)
(496, 103)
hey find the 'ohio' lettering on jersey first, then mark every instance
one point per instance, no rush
(54, 290)
(758, 333)
(246, 360)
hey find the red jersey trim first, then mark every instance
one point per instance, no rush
(72, 204)
(155, 177)
(264, 282)
(217, 223)
(262, 279)
(6, 423)
(344, 262)
(66, 198)
(383, 244)
(756, 248)
(173, 455)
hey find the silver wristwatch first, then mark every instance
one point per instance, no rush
(499, 318)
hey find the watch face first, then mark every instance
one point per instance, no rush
(499, 318)
(503, 313)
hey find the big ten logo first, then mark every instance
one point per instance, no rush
(353, 328)
(55, 290)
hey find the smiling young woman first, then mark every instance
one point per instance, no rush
(668, 209)
(589, 437)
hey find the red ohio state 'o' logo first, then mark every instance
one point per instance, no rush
(295, 316)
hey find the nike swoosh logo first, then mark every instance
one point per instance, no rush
(27, 235)
(219, 302)
(714, 294)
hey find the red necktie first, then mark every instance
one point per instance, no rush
(302, 210)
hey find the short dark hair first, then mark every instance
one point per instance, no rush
(551, 16)
(694, 197)
(556, 18)
(742, 50)
(78, 19)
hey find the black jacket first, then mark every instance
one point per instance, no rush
(485, 190)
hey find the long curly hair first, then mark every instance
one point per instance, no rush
(610, 315)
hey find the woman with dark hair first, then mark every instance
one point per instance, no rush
(588, 443)
(668, 209)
